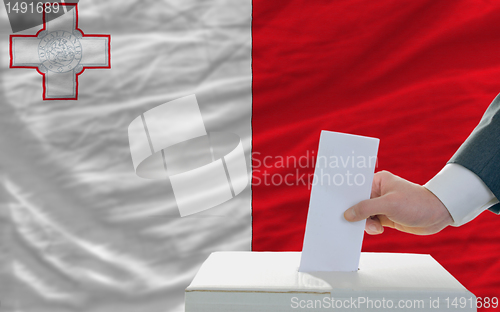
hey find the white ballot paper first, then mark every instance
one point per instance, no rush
(343, 176)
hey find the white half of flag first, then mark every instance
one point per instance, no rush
(79, 230)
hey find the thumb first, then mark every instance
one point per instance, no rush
(367, 208)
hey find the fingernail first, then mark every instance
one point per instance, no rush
(373, 228)
(351, 214)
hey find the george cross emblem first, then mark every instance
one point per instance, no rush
(60, 52)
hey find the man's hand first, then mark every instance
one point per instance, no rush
(402, 205)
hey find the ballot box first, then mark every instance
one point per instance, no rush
(271, 281)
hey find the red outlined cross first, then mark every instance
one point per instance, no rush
(60, 52)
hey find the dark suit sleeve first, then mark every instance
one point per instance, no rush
(480, 153)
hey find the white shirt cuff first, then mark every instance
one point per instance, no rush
(462, 192)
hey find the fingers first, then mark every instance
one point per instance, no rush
(369, 207)
(376, 188)
(380, 179)
(386, 221)
(373, 226)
